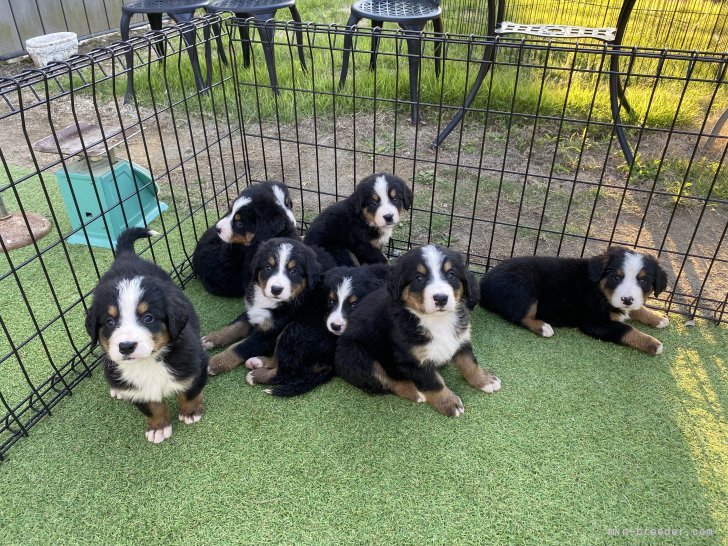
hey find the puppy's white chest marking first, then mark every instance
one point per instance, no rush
(446, 337)
(151, 380)
(384, 238)
(259, 313)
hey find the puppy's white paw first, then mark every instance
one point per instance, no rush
(207, 344)
(664, 322)
(546, 330)
(190, 419)
(493, 385)
(115, 393)
(211, 371)
(268, 391)
(658, 350)
(159, 435)
(253, 363)
(249, 379)
(419, 398)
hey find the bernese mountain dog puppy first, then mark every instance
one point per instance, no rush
(595, 295)
(304, 353)
(356, 230)
(151, 336)
(285, 271)
(401, 334)
(222, 256)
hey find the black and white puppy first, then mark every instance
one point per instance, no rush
(285, 271)
(595, 295)
(356, 230)
(400, 335)
(222, 256)
(304, 353)
(151, 336)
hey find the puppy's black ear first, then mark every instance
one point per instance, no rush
(395, 283)
(472, 289)
(313, 268)
(92, 323)
(406, 196)
(660, 276)
(597, 265)
(178, 312)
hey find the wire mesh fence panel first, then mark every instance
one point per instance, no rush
(534, 168)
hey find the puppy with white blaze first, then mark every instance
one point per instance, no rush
(595, 295)
(356, 230)
(223, 254)
(151, 336)
(304, 353)
(401, 334)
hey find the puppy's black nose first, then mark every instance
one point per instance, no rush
(440, 300)
(127, 347)
(276, 290)
(336, 327)
(389, 218)
(627, 300)
(219, 230)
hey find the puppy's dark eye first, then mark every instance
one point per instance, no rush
(293, 271)
(332, 303)
(238, 223)
(353, 305)
(450, 275)
(642, 281)
(289, 203)
(110, 323)
(373, 203)
(268, 267)
(419, 278)
(148, 318)
(395, 199)
(616, 277)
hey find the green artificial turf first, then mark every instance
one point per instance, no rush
(584, 437)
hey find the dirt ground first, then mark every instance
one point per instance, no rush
(488, 190)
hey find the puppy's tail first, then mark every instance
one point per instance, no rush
(303, 384)
(125, 242)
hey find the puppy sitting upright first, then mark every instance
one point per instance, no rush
(398, 337)
(223, 254)
(151, 336)
(356, 230)
(595, 295)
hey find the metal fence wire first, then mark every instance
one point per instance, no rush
(533, 169)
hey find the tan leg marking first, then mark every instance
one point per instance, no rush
(474, 374)
(159, 425)
(224, 361)
(444, 400)
(537, 326)
(227, 335)
(264, 369)
(643, 342)
(405, 389)
(190, 411)
(649, 317)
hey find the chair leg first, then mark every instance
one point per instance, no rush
(437, 23)
(217, 31)
(348, 39)
(124, 29)
(299, 36)
(717, 128)
(414, 54)
(190, 38)
(244, 39)
(267, 37)
(376, 31)
(614, 102)
(155, 22)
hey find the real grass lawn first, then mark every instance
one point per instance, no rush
(584, 437)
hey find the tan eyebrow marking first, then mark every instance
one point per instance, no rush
(422, 269)
(447, 266)
(113, 311)
(143, 307)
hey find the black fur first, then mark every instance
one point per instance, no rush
(305, 349)
(224, 268)
(342, 229)
(567, 291)
(168, 308)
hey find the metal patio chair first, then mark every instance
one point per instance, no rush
(181, 11)
(261, 11)
(412, 16)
